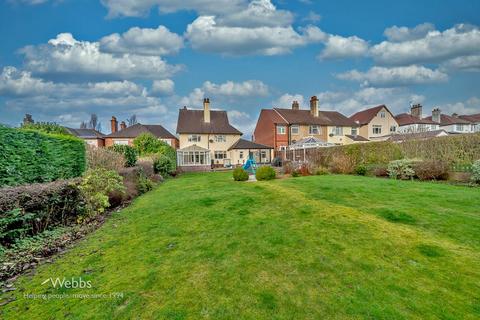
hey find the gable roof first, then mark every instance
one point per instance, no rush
(404, 119)
(365, 116)
(86, 133)
(325, 118)
(475, 118)
(191, 121)
(246, 144)
(137, 129)
(446, 120)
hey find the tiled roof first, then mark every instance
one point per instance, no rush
(404, 119)
(325, 118)
(137, 129)
(191, 121)
(475, 118)
(356, 137)
(245, 144)
(446, 120)
(86, 133)
(365, 116)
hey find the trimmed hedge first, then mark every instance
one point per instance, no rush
(28, 156)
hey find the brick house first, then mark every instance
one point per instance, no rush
(414, 121)
(280, 128)
(91, 136)
(126, 135)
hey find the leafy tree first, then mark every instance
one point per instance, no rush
(46, 127)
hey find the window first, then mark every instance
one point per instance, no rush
(382, 114)
(263, 154)
(354, 131)
(194, 138)
(122, 142)
(314, 130)
(220, 138)
(393, 129)
(459, 127)
(220, 155)
(377, 129)
(240, 155)
(281, 130)
(282, 148)
(337, 131)
(294, 129)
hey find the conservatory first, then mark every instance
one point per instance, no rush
(193, 158)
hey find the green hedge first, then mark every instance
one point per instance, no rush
(28, 156)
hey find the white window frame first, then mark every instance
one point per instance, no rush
(123, 142)
(314, 129)
(337, 131)
(459, 127)
(220, 155)
(263, 154)
(354, 131)
(194, 138)
(376, 126)
(393, 129)
(295, 129)
(383, 114)
(220, 138)
(281, 130)
(240, 154)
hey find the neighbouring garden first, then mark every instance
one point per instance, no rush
(203, 246)
(54, 188)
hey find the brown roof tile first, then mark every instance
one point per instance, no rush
(191, 121)
(330, 118)
(404, 119)
(245, 144)
(365, 116)
(446, 120)
(475, 118)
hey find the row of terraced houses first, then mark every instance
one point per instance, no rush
(205, 138)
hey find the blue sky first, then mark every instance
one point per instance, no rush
(63, 60)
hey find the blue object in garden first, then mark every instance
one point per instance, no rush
(250, 166)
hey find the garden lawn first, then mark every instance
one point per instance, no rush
(202, 246)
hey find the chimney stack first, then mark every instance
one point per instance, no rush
(455, 115)
(114, 124)
(206, 110)
(123, 125)
(436, 115)
(416, 111)
(295, 105)
(314, 106)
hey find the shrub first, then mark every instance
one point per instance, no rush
(128, 152)
(476, 172)
(342, 164)
(378, 170)
(431, 170)
(321, 171)
(304, 169)
(30, 156)
(288, 167)
(95, 188)
(239, 174)
(163, 165)
(296, 173)
(47, 127)
(30, 209)
(361, 170)
(143, 183)
(265, 173)
(401, 169)
(147, 166)
(147, 144)
(104, 158)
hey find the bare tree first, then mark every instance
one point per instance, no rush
(93, 123)
(83, 125)
(132, 120)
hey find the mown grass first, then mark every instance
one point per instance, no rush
(205, 247)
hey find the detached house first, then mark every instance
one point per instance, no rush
(414, 121)
(281, 128)
(91, 136)
(451, 124)
(126, 135)
(208, 139)
(376, 123)
(474, 120)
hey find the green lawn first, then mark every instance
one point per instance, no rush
(205, 247)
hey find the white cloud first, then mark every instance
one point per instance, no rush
(163, 87)
(259, 13)
(401, 34)
(285, 101)
(467, 63)
(312, 17)
(147, 41)
(238, 89)
(399, 76)
(67, 57)
(338, 47)
(137, 8)
(469, 106)
(14, 82)
(205, 35)
(436, 46)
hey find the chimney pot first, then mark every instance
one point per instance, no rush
(436, 115)
(114, 124)
(295, 105)
(416, 111)
(314, 106)
(123, 125)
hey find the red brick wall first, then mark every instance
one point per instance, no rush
(265, 130)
